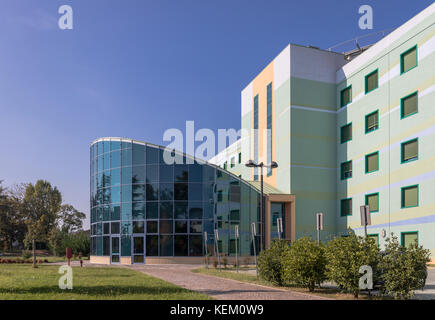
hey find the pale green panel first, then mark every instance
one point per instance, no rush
(245, 144)
(282, 136)
(312, 93)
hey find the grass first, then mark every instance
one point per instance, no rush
(327, 292)
(90, 283)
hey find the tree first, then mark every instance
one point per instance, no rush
(403, 269)
(41, 205)
(345, 256)
(70, 219)
(12, 226)
(305, 265)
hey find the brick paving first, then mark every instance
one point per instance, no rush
(219, 288)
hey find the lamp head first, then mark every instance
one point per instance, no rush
(250, 164)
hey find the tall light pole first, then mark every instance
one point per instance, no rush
(272, 165)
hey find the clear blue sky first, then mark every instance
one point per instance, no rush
(134, 68)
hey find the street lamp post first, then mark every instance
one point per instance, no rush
(272, 165)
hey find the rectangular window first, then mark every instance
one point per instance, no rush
(408, 238)
(372, 200)
(346, 96)
(240, 157)
(346, 170)
(410, 196)
(409, 105)
(372, 162)
(409, 151)
(374, 236)
(269, 127)
(371, 81)
(256, 135)
(225, 165)
(233, 162)
(346, 133)
(408, 60)
(372, 121)
(346, 207)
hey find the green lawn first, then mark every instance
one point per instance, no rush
(89, 283)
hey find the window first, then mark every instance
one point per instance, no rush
(408, 238)
(372, 200)
(371, 81)
(346, 207)
(408, 60)
(410, 196)
(409, 105)
(269, 127)
(346, 96)
(372, 121)
(372, 162)
(225, 165)
(138, 227)
(346, 170)
(346, 133)
(374, 236)
(233, 162)
(240, 157)
(409, 151)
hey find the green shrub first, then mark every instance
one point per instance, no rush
(403, 269)
(306, 263)
(271, 262)
(26, 254)
(345, 256)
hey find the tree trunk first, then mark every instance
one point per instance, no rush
(34, 253)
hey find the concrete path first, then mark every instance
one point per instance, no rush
(219, 288)
(429, 289)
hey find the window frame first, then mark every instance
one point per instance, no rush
(401, 59)
(341, 170)
(365, 81)
(408, 232)
(365, 123)
(341, 207)
(341, 96)
(402, 189)
(377, 237)
(366, 166)
(401, 151)
(366, 203)
(401, 105)
(351, 132)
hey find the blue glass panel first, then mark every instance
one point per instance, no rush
(138, 154)
(126, 157)
(166, 191)
(166, 173)
(125, 145)
(115, 145)
(152, 155)
(126, 211)
(126, 175)
(138, 174)
(116, 159)
(99, 246)
(106, 213)
(152, 174)
(181, 191)
(116, 211)
(180, 209)
(181, 173)
(100, 162)
(106, 146)
(195, 210)
(138, 192)
(106, 178)
(152, 210)
(138, 211)
(125, 246)
(152, 192)
(166, 210)
(195, 192)
(99, 148)
(126, 193)
(115, 177)
(195, 173)
(115, 194)
(106, 161)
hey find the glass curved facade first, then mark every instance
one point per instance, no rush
(141, 207)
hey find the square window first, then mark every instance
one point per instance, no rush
(408, 60)
(410, 196)
(346, 207)
(371, 81)
(372, 162)
(138, 227)
(166, 226)
(372, 200)
(409, 105)
(346, 170)
(346, 96)
(372, 121)
(115, 228)
(409, 151)
(409, 238)
(181, 226)
(152, 226)
(346, 133)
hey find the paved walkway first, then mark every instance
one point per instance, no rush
(219, 288)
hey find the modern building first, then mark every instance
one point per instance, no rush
(349, 130)
(346, 129)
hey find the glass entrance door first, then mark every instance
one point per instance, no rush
(277, 210)
(114, 250)
(138, 249)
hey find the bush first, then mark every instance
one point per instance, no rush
(26, 254)
(225, 262)
(403, 269)
(305, 265)
(345, 256)
(271, 262)
(215, 263)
